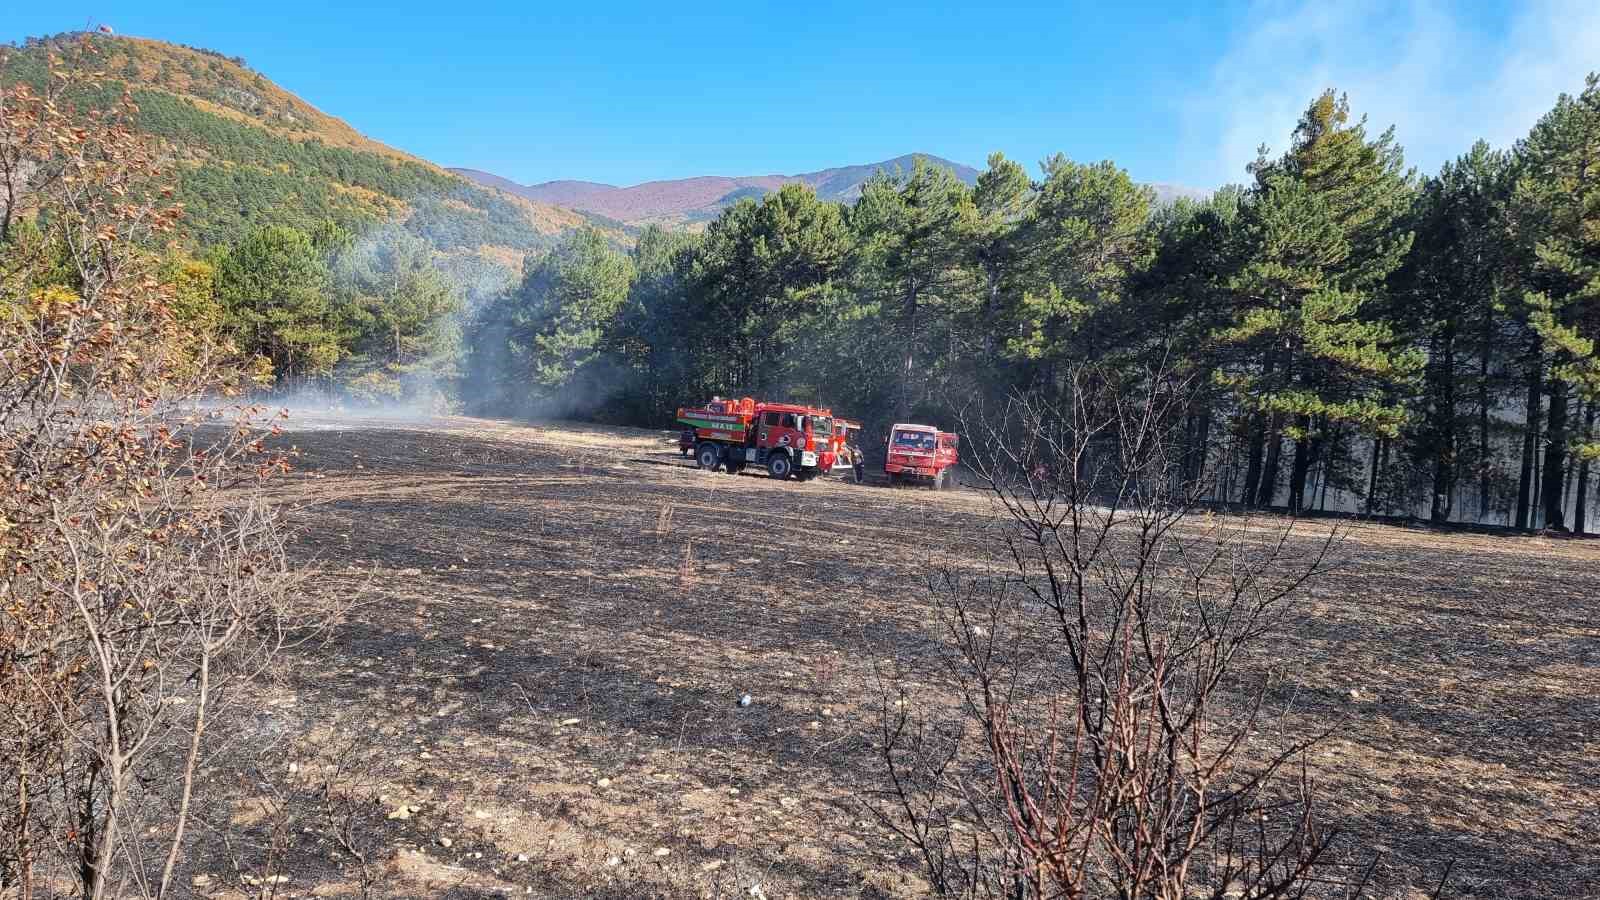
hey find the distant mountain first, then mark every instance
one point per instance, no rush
(689, 200)
(248, 152)
(696, 199)
(563, 193)
(844, 183)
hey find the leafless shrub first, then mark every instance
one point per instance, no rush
(686, 575)
(825, 670)
(143, 581)
(1099, 739)
(664, 519)
(325, 807)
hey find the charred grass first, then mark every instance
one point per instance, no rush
(557, 625)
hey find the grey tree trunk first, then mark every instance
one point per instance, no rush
(1580, 522)
(903, 408)
(1555, 458)
(1530, 435)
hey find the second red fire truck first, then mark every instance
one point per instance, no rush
(922, 454)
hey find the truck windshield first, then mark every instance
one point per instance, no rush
(913, 440)
(821, 426)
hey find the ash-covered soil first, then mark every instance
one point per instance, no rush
(556, 624)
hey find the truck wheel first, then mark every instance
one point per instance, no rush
(708, 455)
(779, 466)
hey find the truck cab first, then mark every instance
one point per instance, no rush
(922, 454)
(804, 436)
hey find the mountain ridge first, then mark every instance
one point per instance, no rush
(701, 197)
(678, 201)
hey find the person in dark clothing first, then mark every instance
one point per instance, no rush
(857, 461)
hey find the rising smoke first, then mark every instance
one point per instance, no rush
(462, 361)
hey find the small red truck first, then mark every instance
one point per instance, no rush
(923, 454)
(789, 440)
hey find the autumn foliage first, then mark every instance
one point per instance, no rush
(141, 578)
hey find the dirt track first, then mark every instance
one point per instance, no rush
(559, 621)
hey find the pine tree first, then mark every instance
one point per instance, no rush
(910, 236)
(1084, 240)
(1560, 192)
(658, 336)
(1447, 301)
(559, 315)
(1002, 198)
(1182, 298)
(275, 288)
(403, 313)
(756, 261)
(1311, 357)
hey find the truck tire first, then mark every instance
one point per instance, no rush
(708, 456)
(780, 466)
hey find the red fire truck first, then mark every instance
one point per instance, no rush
(921, 453)
(786, 439)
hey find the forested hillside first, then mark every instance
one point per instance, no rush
(252, 154)
(337, 263)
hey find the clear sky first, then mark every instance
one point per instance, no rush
(624, 91)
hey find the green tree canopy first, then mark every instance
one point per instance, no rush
(1325, 228)
(1560, 190)
(275, 288)
(911, 234)
(559, 315)
(1084, 239)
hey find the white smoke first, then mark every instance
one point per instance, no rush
(1445, 75)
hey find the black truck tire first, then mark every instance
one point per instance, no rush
(708, 456)
(780, 466)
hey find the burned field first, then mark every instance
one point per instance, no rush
(541, 684)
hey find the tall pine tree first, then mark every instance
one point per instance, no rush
(1448, 301)
(274, 286)
(1560, 187)
(910, 236)
(1325, 230)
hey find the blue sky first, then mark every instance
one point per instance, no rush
(625, 92)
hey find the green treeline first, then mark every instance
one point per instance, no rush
(374, 319)
(1399, 343)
